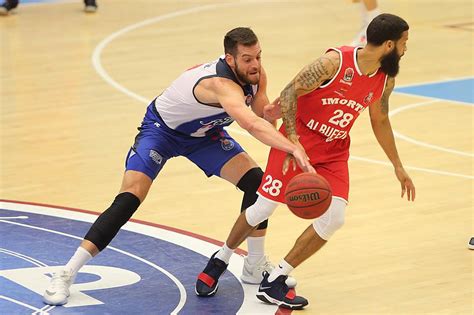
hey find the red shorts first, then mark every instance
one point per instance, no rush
(328, 158)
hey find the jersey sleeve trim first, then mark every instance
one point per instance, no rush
(338, 70)
(195, 97)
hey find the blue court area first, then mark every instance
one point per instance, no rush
(461, 90)
(137, 274)
(36, 1)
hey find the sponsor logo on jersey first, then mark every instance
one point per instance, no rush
(227, 144)
(249, 99)
(348, 75)
(329, 132)
(368, 98)
(206, 126)
(343, 101)
(156, 157)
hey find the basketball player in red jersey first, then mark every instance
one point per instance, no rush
(319, 107)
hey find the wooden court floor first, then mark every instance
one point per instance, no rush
(74, 87)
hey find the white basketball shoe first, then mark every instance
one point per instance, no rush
(253, 274)
(58, 290)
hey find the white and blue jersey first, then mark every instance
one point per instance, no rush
(178, 124)
(182, 111)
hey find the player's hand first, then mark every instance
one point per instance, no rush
(272, 111)
(406, 183)
(297, 157)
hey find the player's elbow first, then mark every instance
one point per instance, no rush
(379, 121)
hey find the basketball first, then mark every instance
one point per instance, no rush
(308, 195)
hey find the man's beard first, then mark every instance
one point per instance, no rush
(242, 77)
(390, 64)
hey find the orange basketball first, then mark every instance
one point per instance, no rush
(308, 195)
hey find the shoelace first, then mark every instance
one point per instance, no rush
(266, 266)
(60, 281)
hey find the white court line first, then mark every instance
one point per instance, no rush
(434, 98)
(20, 303)
(100, 47)
(420, 143)
(180, 286)
(434, 82)
(44, 310)
(17, 217)
(24, 257)
(426, 170)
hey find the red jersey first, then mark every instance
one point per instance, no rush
(324, 118)
(328, 113)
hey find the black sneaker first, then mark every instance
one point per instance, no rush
(277, 292)
(207, 282)
(471, 243)
(90, 6)
(7, 7)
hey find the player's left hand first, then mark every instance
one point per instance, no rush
(406, 183)
(272, 111)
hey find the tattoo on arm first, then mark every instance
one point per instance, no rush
(315, 74)
(310, 78)
(288, 109)
(386, 94)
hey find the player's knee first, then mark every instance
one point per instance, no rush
(261, 210)
(111, 220)
(136, 183)
(249, 184)
(332, 220)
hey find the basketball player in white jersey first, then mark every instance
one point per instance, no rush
(188, 120)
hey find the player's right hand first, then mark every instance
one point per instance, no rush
(298, 157)
(272, 111)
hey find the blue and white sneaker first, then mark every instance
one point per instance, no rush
(277, 292)
(207, 282)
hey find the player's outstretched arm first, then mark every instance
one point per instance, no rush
(384, 134)
(230, 96)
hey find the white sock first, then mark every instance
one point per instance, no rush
(79, 259)
(256, 249)
(225, 253)
(283, 268)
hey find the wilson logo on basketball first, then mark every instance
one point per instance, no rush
(305, 197)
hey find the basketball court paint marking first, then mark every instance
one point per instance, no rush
(157, 265)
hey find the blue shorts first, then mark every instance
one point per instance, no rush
(156, 143)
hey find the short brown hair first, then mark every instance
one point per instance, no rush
(240, 35)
